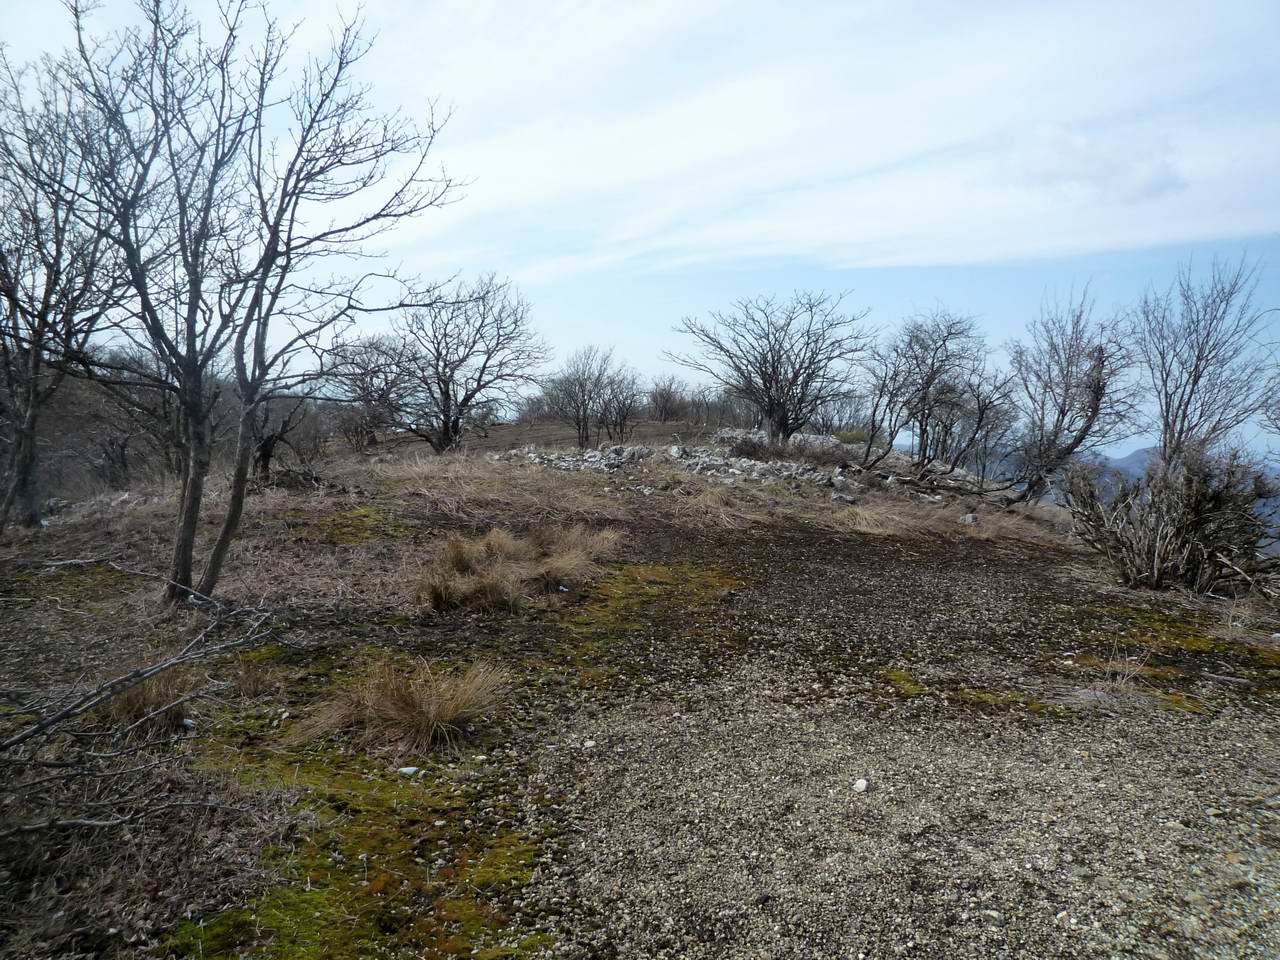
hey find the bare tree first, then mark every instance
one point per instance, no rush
(668, 399)
(989, 457)
(1199, 350)
(365, 381)
(943, 357)
(839, 414)
(787, 358)
(228, 201)
(621, 402)
(1070, 389)
(57, 274)
(980, 402)
(712, 405)
(462, 359)
(574, 392)
(272, 428)
(886, 379)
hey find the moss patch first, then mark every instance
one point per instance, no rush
(87, 582)
(908, 687)
(623, 600)
(904, 683)
(363, 524)
(1181, 635)
(379, 864)
(636, 601)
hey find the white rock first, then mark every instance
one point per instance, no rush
(588, 744)
(408, 771)
(860, 786)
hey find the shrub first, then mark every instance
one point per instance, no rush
(852, 437)
(410, 708)
(499, 571)
(1198, 523)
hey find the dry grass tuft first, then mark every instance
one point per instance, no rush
(409, 708)
(499, 571)
(878, 518)
(158, 705)
(251, 678)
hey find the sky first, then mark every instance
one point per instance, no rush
(627, 164)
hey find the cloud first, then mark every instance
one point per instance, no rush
(1120, 171)
(603, 137)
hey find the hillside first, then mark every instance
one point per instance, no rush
(765, 722)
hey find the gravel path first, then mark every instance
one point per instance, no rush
(733, 824)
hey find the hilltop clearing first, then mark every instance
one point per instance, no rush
(751, 721)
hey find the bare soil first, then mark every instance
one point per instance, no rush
(764, 738)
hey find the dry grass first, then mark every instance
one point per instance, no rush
(158, 705)
(887, 516)
(409, 709)
(500, 571)
(476, 489)
(732, 506)
(880, 518)
(251, 678)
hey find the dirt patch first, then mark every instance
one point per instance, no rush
(744, 825)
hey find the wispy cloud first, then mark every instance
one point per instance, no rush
(595, 136)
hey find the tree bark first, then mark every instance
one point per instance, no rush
(235, 506)
(199, 456)
(22, 495)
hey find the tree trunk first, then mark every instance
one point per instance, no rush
(198, 457)
(263, 455)
(235, 507)
(22, 496)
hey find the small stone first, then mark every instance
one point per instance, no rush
(588, 744)
(408, 771)
(969, 519)
(860, 786)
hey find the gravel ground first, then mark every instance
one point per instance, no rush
(785, 742)
(734, 824)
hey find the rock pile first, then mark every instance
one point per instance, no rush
(703, 461)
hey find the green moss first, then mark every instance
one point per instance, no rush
(506, 863)
(263, 654)
(904, 683)
(361, 877)
(86, 582)
(362, 524)
(907, 687)
(1177, 633)
(625, 599)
